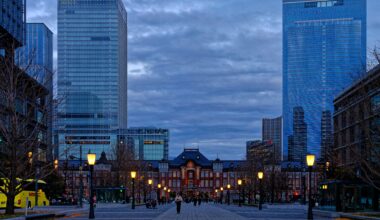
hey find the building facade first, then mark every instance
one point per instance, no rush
(324, 46)
(12, 23)
(272, 131)
(356, 120)
(92, 75)
(147, 143)
(262, 152)
(297, 141)
(36, 58)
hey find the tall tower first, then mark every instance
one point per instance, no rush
(272, 131)
(92, 75)
(324, 46)
(36, 57)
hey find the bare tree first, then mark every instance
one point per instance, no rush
(23, 126)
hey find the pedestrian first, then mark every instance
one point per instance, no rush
(195, 200)
(199, 200)
(178, 200)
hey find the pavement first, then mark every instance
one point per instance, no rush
(121, 212)
(206, 211)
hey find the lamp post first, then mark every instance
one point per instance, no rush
(80, 178)
(228, 193)
(91, 158)
(150, 183)
(239, 184)
(159, 193)
(260, 175)
(216, 196)
(165, 195)
(310, 158)
(221, 195)
(133, 176)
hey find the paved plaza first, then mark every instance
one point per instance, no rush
(206, 211)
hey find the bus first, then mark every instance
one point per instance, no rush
(27, 196)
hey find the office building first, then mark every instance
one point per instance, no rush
(324, 47)
(36, 58)
(92, 75)
(12, 23)
(147, 143)
(272, 131)
(297, 141)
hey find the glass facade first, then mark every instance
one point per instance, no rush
(148, 143)
(36, 57)
(324, 47)
(92, 75)
(12, 21)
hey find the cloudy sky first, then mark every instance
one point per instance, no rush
(207, 70)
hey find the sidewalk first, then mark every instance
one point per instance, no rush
(204, 211)
(57, 210)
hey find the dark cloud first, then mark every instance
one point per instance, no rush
(207, 70)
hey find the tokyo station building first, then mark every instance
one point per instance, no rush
(191, 172)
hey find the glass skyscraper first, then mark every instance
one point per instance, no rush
(12, 23)
(147, 143)
(92, 75)
(36, 57)
(324, 47)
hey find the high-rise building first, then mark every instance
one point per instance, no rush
(92, 75)
(272, 131)
(327, 140)
(298, 139)
(324, 47)
(12, 23)
(147, 143)
(36, 58)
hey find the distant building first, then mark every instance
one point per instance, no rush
(261, 151)
(36, 58)
(324, 45)
(297, 142)
(272, 131)
(190, 173)
(92, 75)
(147, 143)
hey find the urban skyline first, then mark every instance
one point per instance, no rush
(207, 120)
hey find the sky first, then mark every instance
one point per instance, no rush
(207, 70)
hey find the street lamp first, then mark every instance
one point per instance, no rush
(310, 158)
(260, 175)
(133, 176)
(159, 193)
(91, 158)
(239, 184)
(221, 195)
(228, 193)
(55, 164)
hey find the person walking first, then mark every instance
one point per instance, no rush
(178, 200)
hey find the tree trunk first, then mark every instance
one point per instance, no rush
(10, 209)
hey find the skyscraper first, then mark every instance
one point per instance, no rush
(324, 46)
(147, 143)
(297, 141)
(272, 131)
(12, 23)
(92, 75)
(36, 57)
